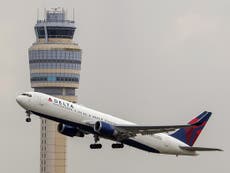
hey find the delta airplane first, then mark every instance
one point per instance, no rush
(77, 120)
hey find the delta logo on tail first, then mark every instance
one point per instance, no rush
(189, 135)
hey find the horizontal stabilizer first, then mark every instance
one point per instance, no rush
(199, 148)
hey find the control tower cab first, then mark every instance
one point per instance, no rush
(55, 26)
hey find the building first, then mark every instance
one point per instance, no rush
(55, 64)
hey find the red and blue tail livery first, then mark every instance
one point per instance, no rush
(189, 135)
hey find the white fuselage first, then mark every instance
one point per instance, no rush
(58, 109)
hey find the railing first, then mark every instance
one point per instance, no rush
(55, 20)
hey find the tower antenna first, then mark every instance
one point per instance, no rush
(66, 14)
(37, 14)
(73, 14)
(44, 14)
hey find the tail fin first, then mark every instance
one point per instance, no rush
(189, 135)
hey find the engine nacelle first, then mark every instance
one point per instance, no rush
(69, 130)
(105, 129)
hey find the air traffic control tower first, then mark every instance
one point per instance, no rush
(55, 64)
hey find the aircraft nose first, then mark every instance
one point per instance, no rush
(19, 99)
(22, 101)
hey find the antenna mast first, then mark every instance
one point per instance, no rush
(73, 14)
(37, 14)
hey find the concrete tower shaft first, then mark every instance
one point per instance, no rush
(55, 64)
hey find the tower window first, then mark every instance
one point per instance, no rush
(55, 32)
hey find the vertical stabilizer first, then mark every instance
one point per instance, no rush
(189, 135)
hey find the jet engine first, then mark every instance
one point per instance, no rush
(69, 130)
(105, 129)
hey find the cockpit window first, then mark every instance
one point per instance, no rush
(28, 95)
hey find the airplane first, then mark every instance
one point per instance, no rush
(77, 120)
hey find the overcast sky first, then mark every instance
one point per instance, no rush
(151, 62)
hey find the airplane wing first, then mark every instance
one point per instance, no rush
(199, 148)
(133, 130)
(127, 131)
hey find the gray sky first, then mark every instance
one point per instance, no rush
(151, 62)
